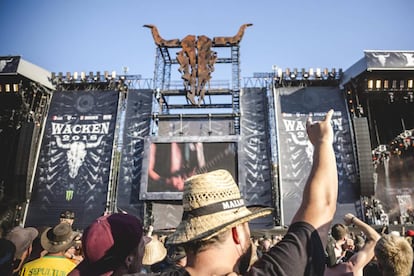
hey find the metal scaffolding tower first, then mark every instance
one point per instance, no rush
(170, 98)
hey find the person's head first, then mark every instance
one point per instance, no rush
(394, 255)
(339, 232)
(7, 252)
(112, 243)
(67, 216)
(213, 210)
(58, 239)
(22, 238)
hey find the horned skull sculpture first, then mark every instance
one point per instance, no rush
(76, 153)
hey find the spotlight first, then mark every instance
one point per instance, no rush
(370, 84)
(83, 76)
(332, 74)
(378, 84)
(279, 73)
(287, 72)
(386, 84)
(410, 84)
(294, 74)
(113, 75)
(106, 75)
(15, 87)
(311, 72)
(305, 74)
(318, 72)
(75, 75)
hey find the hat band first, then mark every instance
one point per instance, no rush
(214, 208)
(58, 242)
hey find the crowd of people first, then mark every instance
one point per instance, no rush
(214, 238)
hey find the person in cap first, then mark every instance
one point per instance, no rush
(22, 238)
(7, 251)
(356, 263)
(112, 245)
(67, 216)
(74, 252)
(55, 241)
(215, 233)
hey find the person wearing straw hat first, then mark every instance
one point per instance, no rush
(55, 241)
(214, 228)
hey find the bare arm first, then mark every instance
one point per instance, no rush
(366, 253)
(321, 190)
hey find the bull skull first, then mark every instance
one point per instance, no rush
(76, 153)
(4, 62)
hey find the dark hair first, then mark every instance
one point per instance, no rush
(67, 215)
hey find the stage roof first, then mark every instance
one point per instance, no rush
(379, 60)
(15, 66)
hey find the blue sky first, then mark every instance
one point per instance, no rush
(99, 35)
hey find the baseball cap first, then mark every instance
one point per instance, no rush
(107, 242)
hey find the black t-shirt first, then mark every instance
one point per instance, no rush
(300, 252)
(177, 271)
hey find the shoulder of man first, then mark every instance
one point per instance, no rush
(178, 271)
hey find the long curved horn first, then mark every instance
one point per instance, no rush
(60, 144)
(159, 41)
(94, 144)
(237, 38)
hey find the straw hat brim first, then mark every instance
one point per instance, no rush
(54, 248)
(155, 252)
(205, 227)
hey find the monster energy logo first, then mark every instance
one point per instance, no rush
(69, 195)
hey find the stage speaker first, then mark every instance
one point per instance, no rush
(23, 160)
(364, 156)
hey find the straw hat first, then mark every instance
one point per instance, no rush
(58, 238)
(212, 204)
(155, 252)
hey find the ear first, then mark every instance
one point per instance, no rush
(129, 260)
(235, 235)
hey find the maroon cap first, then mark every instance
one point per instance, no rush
(107, 242)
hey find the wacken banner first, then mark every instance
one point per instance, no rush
(295, 106)
(74, 163)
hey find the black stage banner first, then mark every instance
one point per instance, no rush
(136, 127)
(295, 149)
(74, 163)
